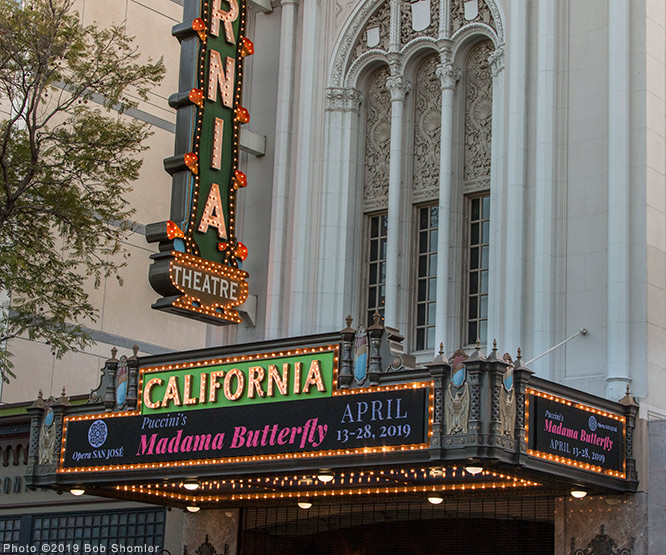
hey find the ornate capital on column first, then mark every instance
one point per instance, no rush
(496, 61)
(398, 86)
(449, 74)
(342, 100)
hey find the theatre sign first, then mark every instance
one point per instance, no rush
(198, 267)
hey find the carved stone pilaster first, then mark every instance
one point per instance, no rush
(398, 86)
(36, 412)
(343, 100)
(496, 62)
(521, 377)
(449, 74)
(439, 369)
(375, 333)
(133, 379)
(110, 369)
(346, 376)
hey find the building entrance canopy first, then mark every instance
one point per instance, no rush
(331, 416)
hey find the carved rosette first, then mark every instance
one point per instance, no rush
(427, 130)
(462, 15)
(343, 100)
(377, 140)
(478, 115)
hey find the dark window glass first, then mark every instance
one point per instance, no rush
(377, 266)
(426, 286)
(477, 278)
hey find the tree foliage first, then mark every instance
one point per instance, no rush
(67, 158)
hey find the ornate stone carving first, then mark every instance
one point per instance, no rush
(478, 115)
(377, 140)
(508, 412)
(376, 33)
(457, 409)
(427, 128)
(398, 87)
(343, 100)
(47, 438)
(407, 32)
(464, 12)
(496, 62)
(449, 74)
(602, 544)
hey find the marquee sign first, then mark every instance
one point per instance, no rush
(391, 419)
(236, 381)
(570, 433)
(198, 269)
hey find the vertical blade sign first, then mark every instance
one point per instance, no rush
(198, 267)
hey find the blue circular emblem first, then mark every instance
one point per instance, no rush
(97, 433)
(592, 423)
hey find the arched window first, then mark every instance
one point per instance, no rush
(426, 86)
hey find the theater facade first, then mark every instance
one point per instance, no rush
(311, 445)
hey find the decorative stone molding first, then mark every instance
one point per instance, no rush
(478, 114)
(375, 33)
(449, 74)
(427, 127)
(377, 140)
(343, 100)
(602, 544)
(398, 86)
(407, 32)
(462, 15)
(496, 62)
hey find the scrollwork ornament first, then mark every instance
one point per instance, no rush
(449, 74)
(377, 140)
(427, 127)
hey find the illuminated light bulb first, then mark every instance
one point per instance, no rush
(242, 115)
(173, 231)
(247, 47)
(325, 476)
(196, 96)
(239, 180)
(473, 470)
(578, 493)
(193, 508)
(241, 251)
(77, 490)
(192, 162)
(199, 26)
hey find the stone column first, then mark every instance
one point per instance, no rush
(495, 324)
(398, 87)
(619, 199)
(281, 174)
(449, 75)
(219, 528)
(339, 204)
(514, 224)
(544, 190)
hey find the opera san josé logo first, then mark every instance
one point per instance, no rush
(97, 433)
(592, 423)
